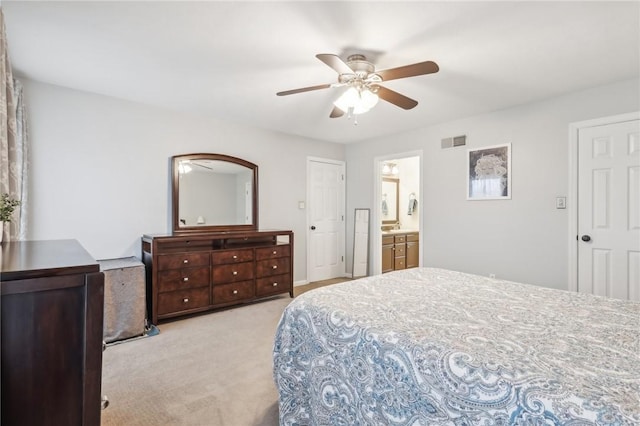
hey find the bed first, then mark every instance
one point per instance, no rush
(429, 346)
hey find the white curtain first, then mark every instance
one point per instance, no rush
(13, 141)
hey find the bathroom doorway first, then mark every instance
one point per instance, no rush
(397, 212)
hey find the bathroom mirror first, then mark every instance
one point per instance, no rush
(214, 192)
(360, 267)
(389, 208)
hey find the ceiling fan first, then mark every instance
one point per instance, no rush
(362, 81)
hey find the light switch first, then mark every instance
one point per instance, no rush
(301, 205)
(561, 202)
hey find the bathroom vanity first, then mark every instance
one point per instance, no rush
(400, 250)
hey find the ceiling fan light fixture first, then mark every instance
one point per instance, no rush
(356, 100)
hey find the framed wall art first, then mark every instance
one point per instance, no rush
(489, 173)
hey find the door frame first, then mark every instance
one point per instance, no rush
(572, 204)
(343, 229)
(376, 232)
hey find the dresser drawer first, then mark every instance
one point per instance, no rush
(263, 253)
(232, 273)
(399, 263)
(266, 268)
(183, 300)
(400, 249)
(273, 285)
(182, 260)
(413, 237)
(226, 293)
(387, 239)
(183, 279)
(400, 239)
(231, 256)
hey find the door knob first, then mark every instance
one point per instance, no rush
(313, 228)
(586, 238)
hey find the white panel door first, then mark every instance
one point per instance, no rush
(326, 220)
(609, 210)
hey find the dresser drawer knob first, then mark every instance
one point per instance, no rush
(275, 252)
(235, 291)
(235, 257)
(185, 300)
(275, 284)
(275, 266)
(104, 402)
(185, 261)
(185, 279)
(235, 272)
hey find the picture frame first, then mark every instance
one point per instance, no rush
(489, 173)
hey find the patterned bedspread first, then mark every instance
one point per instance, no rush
(434, 347)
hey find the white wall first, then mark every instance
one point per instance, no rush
(100, 174)
(100, 169)
(523, 239)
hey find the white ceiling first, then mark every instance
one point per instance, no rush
(228, 59)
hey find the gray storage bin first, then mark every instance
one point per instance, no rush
(124, 298)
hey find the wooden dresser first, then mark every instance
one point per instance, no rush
(52, 313)
(197, 272)
(400, 251)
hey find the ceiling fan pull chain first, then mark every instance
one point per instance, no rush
(351, 114)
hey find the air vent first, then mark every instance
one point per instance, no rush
(454, 141)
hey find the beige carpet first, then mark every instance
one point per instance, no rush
(213, 369)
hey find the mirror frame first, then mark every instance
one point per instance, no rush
(396, 183)
(175, 194)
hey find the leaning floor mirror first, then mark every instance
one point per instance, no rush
(361, 244)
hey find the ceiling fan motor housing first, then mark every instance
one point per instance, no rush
(360, 65)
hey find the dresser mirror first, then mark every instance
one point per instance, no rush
(214, 192)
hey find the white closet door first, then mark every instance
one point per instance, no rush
(326, 220)
(609, 210)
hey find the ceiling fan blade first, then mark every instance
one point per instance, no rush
(304, 89)
(335, 62)
(412, 70)
(336, 112)
(395, 98)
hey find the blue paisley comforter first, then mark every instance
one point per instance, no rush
(435, 347)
